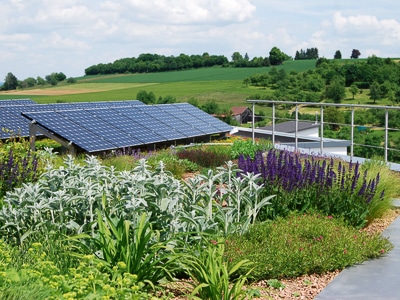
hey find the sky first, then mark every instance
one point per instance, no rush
(38, 37)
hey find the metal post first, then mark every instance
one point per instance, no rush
(386, 133)
(297, 127)
(32, 135)
(352, 134)
(322, 130)
(252, 122)
(273, 123)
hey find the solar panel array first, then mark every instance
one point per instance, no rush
(12, 123)
(100, 129)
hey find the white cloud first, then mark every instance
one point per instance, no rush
(71, 35)
(56, 41)
(194, 11)
(386, 31)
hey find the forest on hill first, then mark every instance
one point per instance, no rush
(147, 62)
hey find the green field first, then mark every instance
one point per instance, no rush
(224, 85)
(203, 74)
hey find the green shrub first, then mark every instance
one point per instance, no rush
(246, 147)
(39, 278)
(41, 144)
(303, 244)
(204, 157)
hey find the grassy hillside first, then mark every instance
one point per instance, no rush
(223, 85)
(203, 74)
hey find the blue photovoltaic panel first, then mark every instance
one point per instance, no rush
(152, 126)
(15, 107)
(199, 123)
(116, 126)
(166, 113)
(186, 118)
(208, 119)
(115, 117)
(96, 125)
(78, 135)
(16, 102)
(140, 116)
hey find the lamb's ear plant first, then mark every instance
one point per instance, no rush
(212, 274)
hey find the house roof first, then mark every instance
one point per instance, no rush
(290, 126)
(238, 110)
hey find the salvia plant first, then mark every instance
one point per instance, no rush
(16, 169)
(303, 182)
(66, 200)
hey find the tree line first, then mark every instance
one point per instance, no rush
(160, 63)
(329, 81)
(11, 82)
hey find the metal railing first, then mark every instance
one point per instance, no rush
(353, 110)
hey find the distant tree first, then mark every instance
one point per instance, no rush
(320, 61)
(28, 82)
(276, 56)
(397, 95)
(313, 83)
(334, 117)
(211, 107)
(71, 80)
(273, 75)
(355, 54)
(10, 82)
(146, 98)
(236, 56)
(335, 91)
(266, 62)
(392, 96)
(264, 81)
(193, 101)
(60, 76)
(166, 100)
(246, 81)
(354, 89)
(310, 53)
(40, 81)
(338, 55)
(386, 87)
(375, 91)
(246, 57)
(52, 79)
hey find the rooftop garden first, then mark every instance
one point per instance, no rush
(201, 222)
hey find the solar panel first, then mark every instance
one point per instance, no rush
(115, 117)
(21, 127)
(117, 126)
(167, 114)
(8, 102)
(71, 131)
(203, 116)
(96, 125)
(138, 115)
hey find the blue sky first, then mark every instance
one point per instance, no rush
(38, 37)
